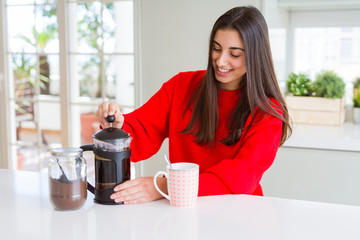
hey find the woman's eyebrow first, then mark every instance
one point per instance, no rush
(217, 43)
(238, 48)
(235, 48)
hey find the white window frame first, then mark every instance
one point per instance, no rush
(4, 119)
(6, 158)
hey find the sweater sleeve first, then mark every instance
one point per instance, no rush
(148, 125)
(242, 174)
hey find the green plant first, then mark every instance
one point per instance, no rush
(39, 40)
(24, 81)
(299, 84)
(356, 89)
(356, 100)
(329, 85)
(357, 82)
(24, 69)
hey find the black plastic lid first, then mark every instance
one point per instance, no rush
(110, 134)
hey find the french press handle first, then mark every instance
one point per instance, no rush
(89, 147)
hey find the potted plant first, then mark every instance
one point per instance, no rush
(329, 85)
(356, 100)
(299, 84)
(356, 87)
(317, 102)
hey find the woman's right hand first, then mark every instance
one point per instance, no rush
(107, 109)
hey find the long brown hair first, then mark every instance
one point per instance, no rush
(258, 84)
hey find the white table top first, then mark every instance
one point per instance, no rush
(26, 213)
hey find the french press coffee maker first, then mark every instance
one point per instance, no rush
(111, 147)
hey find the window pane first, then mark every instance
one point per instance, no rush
(89, 29)
(34, 138)
(86, 72)
(24, 68)
(31, 158)
(46, 29)
(119, 30)
(54, 74)
(336, 49)
(18, 2)
(20, 29)
(24, 73)
(120, 74)
(50, 122)
(109, 27)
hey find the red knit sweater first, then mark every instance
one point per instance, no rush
(235, 169)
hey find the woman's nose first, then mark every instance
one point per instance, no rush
(222, 60)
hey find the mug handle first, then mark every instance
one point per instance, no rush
(156, 186)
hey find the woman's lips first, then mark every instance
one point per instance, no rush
(222, 71)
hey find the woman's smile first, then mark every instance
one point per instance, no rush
(221, 70)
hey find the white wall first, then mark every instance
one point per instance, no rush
(275, 17)
(174, 38)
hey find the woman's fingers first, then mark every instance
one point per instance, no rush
(128, 192)
(138, 190)
(101, 113)
(105, 109)
(113, 108)
(119, 120)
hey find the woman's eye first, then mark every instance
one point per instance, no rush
(216, 49)
(234, 55)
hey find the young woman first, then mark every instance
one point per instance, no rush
(230, 119)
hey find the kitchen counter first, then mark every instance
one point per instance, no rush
(345, 137)
(26, 213)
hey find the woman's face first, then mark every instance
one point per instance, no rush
(228, 58)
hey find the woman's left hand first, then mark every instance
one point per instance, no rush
(139, 190)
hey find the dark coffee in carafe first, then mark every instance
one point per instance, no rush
(110, 172)
(111, 169)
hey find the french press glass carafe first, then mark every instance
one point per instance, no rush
(111, 147)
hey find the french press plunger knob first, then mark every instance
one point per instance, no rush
(110, 119)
